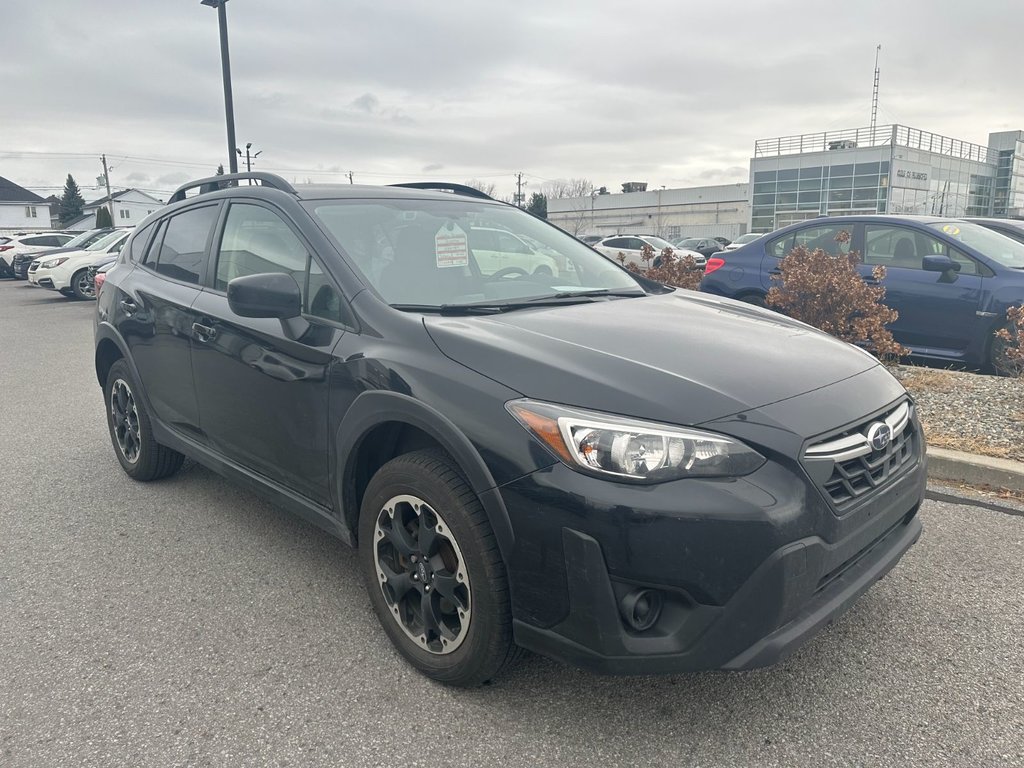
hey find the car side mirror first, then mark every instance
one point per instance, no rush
(938, 263)
(273, 294)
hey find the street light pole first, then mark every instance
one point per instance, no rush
(225, 64)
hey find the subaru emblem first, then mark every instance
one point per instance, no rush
(879, 435)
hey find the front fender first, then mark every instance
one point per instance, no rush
(371, 409)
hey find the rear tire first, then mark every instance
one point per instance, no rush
(422, 526)
(131, 432)
(756, 299)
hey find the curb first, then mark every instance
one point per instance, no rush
(970, 468)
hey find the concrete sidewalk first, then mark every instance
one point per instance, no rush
(973, 469)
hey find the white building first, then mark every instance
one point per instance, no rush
(717, 211)
(885, 169)
(22, 210)
(130, 206)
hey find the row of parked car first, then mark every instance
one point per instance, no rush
(64, 262)
(950, 280)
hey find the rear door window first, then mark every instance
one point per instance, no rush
(182, 254)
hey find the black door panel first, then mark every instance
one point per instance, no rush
(154, 317)
(263, 387)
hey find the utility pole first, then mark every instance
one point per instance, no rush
(106, 181)
(874, 95)
(350, 179)
(225, 66)
(248, 158)
(519, 189)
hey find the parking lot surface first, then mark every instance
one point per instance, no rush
(188, 622)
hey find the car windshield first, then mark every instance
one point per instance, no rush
(747, 238)
(997, 247)
(459, 252)
(104, 242)
(689, 242)
(658, 244)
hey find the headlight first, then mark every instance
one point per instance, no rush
(53, 262)
(614, 446)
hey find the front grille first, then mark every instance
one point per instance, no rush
(857, 467)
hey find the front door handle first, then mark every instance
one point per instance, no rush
(204, 333)
(129, 307)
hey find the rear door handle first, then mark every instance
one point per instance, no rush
(204, 333)
(129, 307)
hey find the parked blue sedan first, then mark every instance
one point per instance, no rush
(950, 280)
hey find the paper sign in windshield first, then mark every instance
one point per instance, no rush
(451, 246)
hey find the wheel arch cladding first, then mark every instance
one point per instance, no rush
(107, 353)
(382, 425)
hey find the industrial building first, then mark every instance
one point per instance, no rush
(882, 169)
(720, 210)
(885, 169)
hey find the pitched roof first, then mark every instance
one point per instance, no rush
(12, 193)
(96, 203)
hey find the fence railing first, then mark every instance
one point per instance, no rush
(880, 135)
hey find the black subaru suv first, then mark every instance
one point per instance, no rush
(531, 448)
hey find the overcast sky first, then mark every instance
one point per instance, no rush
(672, 92)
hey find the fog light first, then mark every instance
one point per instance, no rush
(641, 608)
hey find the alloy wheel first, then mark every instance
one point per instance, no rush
(124, 417)
(83, 287)
(422, 574)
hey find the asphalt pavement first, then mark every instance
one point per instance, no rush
(188, 622)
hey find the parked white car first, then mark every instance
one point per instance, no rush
(69, 272)
(631, 246)
(742, 240)
(497, 249)
(28, 242)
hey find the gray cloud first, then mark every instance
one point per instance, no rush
(554, 90)
(367, 103)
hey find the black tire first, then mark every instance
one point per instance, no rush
(757, 299)
(462, 554)
(131, 432)
(79, 285)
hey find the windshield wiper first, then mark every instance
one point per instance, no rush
(618, 292)
(495, 307)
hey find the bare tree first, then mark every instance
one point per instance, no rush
(560, 188)
(487, 187)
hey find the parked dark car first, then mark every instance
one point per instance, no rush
(22, 261)
(705, 246)
(950, 280)
(520, 460)
(1012, 228)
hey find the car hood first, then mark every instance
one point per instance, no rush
(43, 254)
(683, 358)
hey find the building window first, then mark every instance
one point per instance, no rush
(30, 212)
(125, 213)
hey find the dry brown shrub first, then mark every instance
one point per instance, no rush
(1011, 338)
(827, 292)
(681, 272)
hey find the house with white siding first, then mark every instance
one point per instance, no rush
(130, 206)
(22, 210)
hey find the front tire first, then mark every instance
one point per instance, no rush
(80, 287)
(433, 571)
(131, 432)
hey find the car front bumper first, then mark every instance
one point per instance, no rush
(745, 568)
(53, 278)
